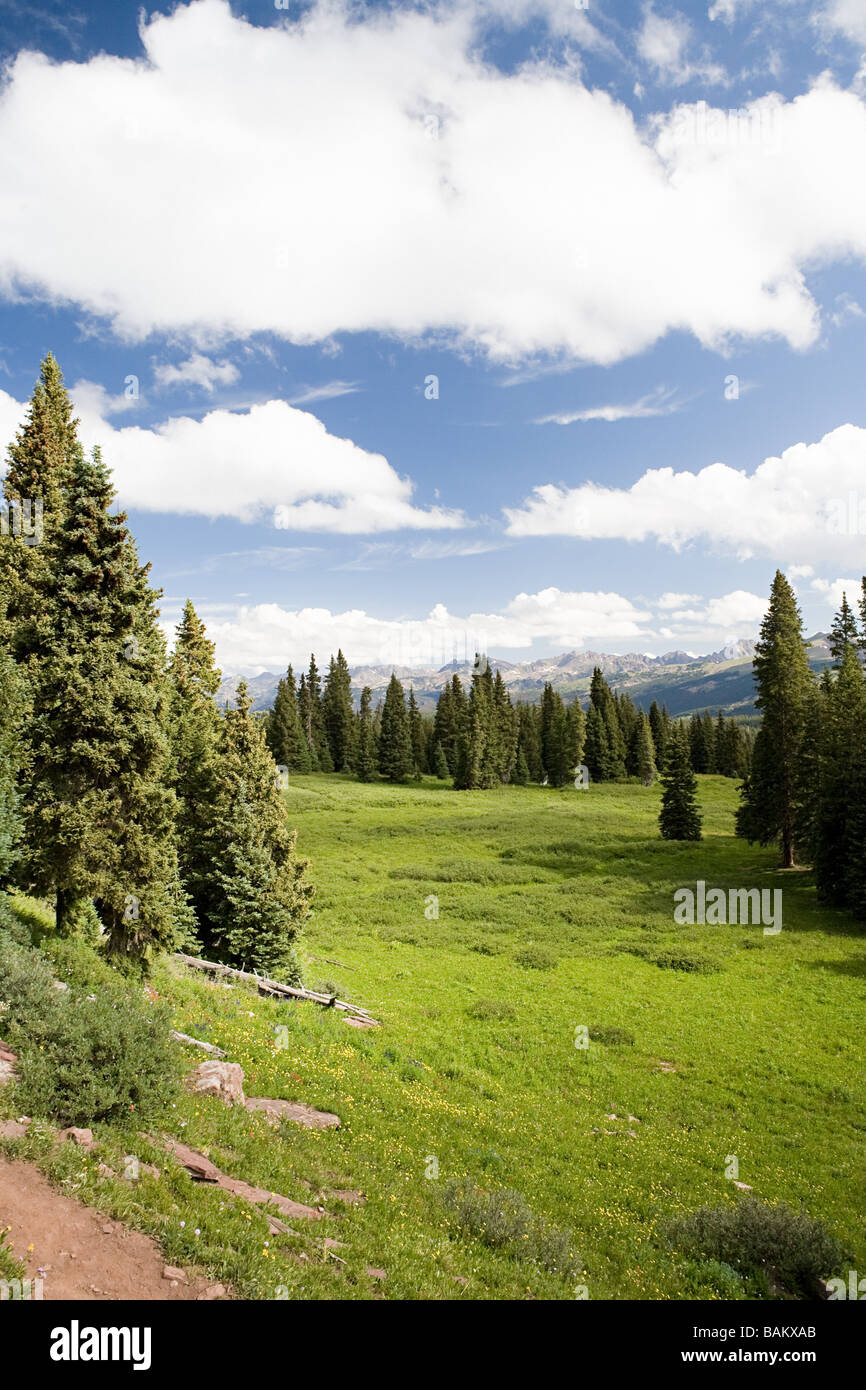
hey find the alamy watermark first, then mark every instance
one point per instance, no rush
(713, 907)
(22, 519)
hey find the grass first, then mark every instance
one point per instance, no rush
(491, 932)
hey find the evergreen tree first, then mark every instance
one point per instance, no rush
(440, 762)
(366, 759)
(416, 736)
(520, 775)
(11, 710)
(195, 734)
(679, 817)
(783, 680)
(284, 733)
(505, 729)
(395, 743)
(37, 479)
(597, 752)
(305, 716)
(99, 813)
(843, 632)
(445, 730)
(529, 740)
(659, 727)
(338, 716)
(256, 869)
(645, 765)
(611, 763)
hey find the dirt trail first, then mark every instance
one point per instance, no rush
(84, 1254)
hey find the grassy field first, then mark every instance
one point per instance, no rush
(555, 914)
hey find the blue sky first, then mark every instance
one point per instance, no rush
(409, 329)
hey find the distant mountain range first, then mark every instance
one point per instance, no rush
(685, 683)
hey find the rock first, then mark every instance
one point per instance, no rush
(259, 1195)
(359, 1022)
(199, 1168)
(176, 1275)
(211, 1292)
(743, 1186)
(59, 984)
(8, 1061)
(83, 1137)
(222, 1079)
(666, 1066)
(104, 1170)
(376, 1273)
(329, 1244)
(296, 1111)
(13, 1129)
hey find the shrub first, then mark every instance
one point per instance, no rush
(489, 1008)
(772, 1246)
(504, 1221)
(535, 958)
(692, 965)
(83, 1058)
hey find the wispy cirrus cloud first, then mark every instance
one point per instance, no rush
(662, 401)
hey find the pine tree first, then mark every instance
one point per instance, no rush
(195, 734)
(99, 813)
(395, 744)
(843, 632)
(445, 724)
(366, 757)
(338, 716)
(416, 736)
(679, 817)
(284, 733)
(783, 680)
(504, 729)
(520, 775)
(529, 740)
(11, 711)
(37, 477)
(305, 715)
(645, 765)
(440, 763)
(597, 753)
(256, 869)
(658, 726)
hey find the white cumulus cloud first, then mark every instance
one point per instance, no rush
(384, 178)
(810, 503)
(269, 462)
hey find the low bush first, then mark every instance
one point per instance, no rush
(535, 958)
(612, 1037)
(773, 1247)
(504, 1221)
(84, 1057)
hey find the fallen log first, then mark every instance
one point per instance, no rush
(274, 987)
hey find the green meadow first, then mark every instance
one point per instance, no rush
(546, 1030)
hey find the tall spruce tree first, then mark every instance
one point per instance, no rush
(260, 893)
(195, 732)
(37, 479)
(679, 817)
(395, 744)
(366, 759)
(11, 712)
(284, 733)
(416, 736)
(645, 763)
(99, 812)
(767, 811)
(338, 715)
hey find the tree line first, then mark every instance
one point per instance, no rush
(480, 738)
(150, 817)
